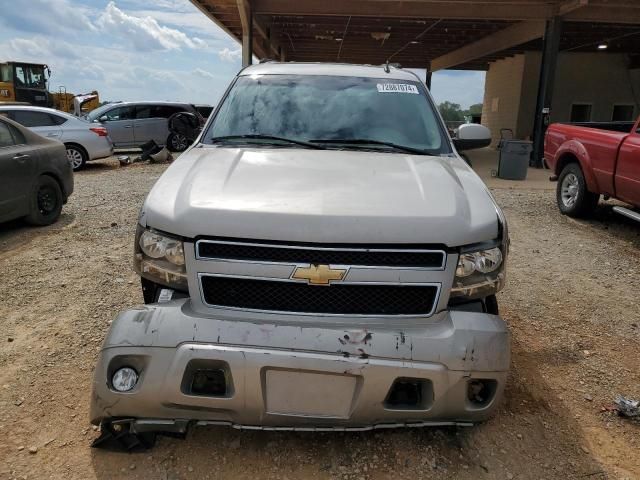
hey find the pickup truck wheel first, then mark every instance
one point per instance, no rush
(572, 195)
(46, 201)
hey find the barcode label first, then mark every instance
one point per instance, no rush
(397, 88)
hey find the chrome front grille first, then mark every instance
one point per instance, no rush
(336, 255)
(373, 281)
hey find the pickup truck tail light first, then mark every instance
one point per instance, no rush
(100, 131)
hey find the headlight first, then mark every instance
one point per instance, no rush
(466, 265)
(479, 273)
(175, 254)
(160, 258)
(155, 245)
(152, 244)
(488, 260)
(484, 261)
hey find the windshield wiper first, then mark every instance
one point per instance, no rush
(267, 137)
(366, 141)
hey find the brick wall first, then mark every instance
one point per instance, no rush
(601, 79)
(502, 93)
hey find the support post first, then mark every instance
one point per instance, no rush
(551, 45)
(246, 19)
(247, 50)
(428, 77)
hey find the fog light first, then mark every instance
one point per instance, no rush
(410, 394)
(209, 382)
(124, 379)
(480, 392)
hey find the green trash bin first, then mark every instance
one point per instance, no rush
(513, 161)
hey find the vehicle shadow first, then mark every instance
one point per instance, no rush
(112, 163)
(533, 436)
(606, 219)
(100, 166)
(18, 233)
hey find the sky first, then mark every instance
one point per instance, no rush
(147, 50)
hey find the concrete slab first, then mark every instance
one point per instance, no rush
(485, 160)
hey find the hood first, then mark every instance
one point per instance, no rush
(321, 196)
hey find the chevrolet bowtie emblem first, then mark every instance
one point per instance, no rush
(319, 274)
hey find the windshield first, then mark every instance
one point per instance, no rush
(93, 115)
(5, 72)
(30, 76)
(322, 109)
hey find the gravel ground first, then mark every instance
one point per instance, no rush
(571, 303)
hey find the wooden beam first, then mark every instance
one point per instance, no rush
(246, 18)
(200, 5)
(429, 74)
(601, 11)
(567, 6)
(480, 9)
(263, 29)
(608, 14)
(516, 34)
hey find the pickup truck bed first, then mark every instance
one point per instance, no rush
(597, 161)
(622, 127)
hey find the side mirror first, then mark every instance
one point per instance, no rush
(103, 118)
(471, 136)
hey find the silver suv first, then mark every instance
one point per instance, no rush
(321, 258)
(132, 124)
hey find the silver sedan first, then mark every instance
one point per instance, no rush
(84, 141)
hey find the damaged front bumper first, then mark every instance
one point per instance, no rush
(201, 370)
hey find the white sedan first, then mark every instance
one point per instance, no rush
(84, 141)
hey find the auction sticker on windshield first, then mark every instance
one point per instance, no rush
(397, 88)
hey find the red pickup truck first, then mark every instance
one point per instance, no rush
(594, 159)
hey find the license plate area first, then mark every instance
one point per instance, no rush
(309, 394)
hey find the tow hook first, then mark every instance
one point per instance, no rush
(131, 435)
(119, 437)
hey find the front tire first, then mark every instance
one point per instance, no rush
(572, 196)
(77, 156)
(177, 142)
(46, 202)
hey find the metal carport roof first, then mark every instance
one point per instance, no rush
(431, 34)
(417, 33)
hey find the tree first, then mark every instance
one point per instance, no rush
(451, 112)
(475, 109)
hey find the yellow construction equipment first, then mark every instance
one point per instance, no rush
(28, 83)
(74, 104)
